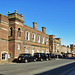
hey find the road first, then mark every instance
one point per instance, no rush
(52, 67)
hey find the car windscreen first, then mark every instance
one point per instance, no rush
(36, 54)
(25, 55)
(22, 55)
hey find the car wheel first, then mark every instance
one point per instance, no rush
(41, 59)
(26, 61)
(47, 59)
(34, 60)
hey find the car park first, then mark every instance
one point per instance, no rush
(26, 58)
(42, 56)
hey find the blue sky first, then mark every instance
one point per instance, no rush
(58, 16)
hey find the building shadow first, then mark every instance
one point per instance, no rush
(69, 58)
(15, 60)
(58, 70)
(1, 74)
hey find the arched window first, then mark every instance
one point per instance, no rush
(26, 50)
(19, 32)
(18, 46)
(32, 52)
(11, 31)
(9, 55)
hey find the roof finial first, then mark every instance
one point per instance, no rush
(15, 11)
(22, 14)
(8, 12)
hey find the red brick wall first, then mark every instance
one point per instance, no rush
(3, 35)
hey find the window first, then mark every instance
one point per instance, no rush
(18, 46)
(46, 51)
(11, 31)
(38, 39)
(26, 51)
(51, 38)
(9, 55)
(42, 51)
(38, 51)
(42, 40)
(57, 44)
(19, 32)
(27, 36)
(46, 41)
(33, 52)
(4, 56)
(33, 37)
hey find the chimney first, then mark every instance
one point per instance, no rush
(35, 25)
(43, 29)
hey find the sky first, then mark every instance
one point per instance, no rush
(58, 16)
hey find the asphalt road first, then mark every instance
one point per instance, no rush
(52, 67)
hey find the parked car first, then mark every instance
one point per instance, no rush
(58, 56)
(42, 56)
(52, 55)
(26, 58)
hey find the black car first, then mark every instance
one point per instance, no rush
(52, 55)
(58, 56)
(42, 56)
(26, 58)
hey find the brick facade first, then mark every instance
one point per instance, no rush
(18, 42)
(17, 38)
(4, 29)
(72, 46)
(56, 47)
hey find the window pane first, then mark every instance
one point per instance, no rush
(9, 55)
(11, 31)
(19, 32)
(38, 39)
(27, 38)
(18, 46)
(33, 38)
(4, 56)
(42, 40)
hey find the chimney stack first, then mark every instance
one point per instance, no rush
(35, 25)
(43, 29)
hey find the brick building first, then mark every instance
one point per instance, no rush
(16, 38)
(56, 47)
(55, 44)
(72, 46)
